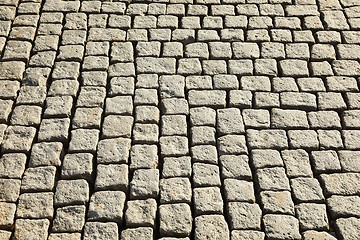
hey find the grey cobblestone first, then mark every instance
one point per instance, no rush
(173, 190)
(145, 183)
(306, 190)
(244, 215)
(176, 167)
(11, 195)
(180, 225)
(281, 226)
(141, 212)
(12, 165)
(35, 205)
(137, 233)
(106, 205)
(66, 189)
(31, 228)
(213, 226)
(239, 190)
(208, 201)
(77, 165)
(179, 119)
(106, 230)
(104, 179)
(8, 211)
(345, 227)
(69, 219)
(297, 163)
(39, 179)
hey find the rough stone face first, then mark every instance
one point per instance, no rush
(77, 165)
(141, 213)
(12, 70)
(64, 236)
(107, 205)
(59, 106)
(34, 229)
(7, 211)
(343, 206)
(9, 190)
(208, 200)
(39, 179)
(297, 163)
(272, 179)
(268, 139)
(235, 166)
(174, 145)
(122, 105)
(229, 121)
(45, 154)
(174, 190)
(101, 231)
(247, 234)
(202, 116)
(26, 115)
(204, 153)
(115, 150)
(256, 118)
(213, 226)
(71, 192)
(145, 183)
(175, 220)
(112, 177)
(341, 183)
(69, 219)
(232, 144)
(143, 233)
(281, 226)
(176, 167)
(117, 126)
(244, 215)
(156, 65)
(326, 161)
(84, 140)
(206, 175)
(306, 190)
(277, 202)
(311, 234)
(288, 119)
(202, 135)
(266, 158)
(312, 216)
(54, 129)
(143, 156)
(17, 138)
(239, 190)
(209, 98)
(12, 165)
(9, 89)
(348, 227)
(87, 118)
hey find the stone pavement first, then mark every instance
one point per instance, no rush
(179, 119)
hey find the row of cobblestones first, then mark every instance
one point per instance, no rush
(179, 119)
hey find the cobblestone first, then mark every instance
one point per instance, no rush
(69, 219)
(175, 219)
(213, 226)
(141, 212)
(180, 119)
(107, 205)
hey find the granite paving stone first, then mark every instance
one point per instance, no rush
(179, 119)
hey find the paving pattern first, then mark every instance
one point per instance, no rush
(179, 119)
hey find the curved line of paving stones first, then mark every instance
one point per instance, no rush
(179, 119)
